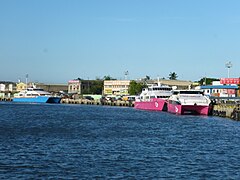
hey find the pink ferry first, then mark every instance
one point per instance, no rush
(189, 102)
(153, 98)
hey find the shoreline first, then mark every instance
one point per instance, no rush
(226, 110)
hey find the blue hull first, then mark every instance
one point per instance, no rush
(38, 99)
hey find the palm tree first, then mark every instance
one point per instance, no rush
(173, 76)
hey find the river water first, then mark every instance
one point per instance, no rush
(57, 141)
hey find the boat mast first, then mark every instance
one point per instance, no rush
(159, 84)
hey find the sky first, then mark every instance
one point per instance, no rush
(54, 41)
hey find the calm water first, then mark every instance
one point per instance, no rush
(39, 141)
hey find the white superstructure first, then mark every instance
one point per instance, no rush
(189, 97)
(155, 91)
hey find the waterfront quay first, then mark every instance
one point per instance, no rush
(98, 102)
(221, 108)
(229, 109)
(5, 99)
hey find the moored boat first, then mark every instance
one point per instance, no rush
(35, 95)
(189, 102)
(153, 98)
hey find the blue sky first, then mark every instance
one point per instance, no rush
(57, 40)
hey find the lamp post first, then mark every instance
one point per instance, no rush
(26, 81)
(228, 66)
(126, 73)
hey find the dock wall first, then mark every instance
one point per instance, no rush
(5, 99)
(227, 110)
(98, 102)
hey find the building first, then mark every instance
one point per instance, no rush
(55, 88)
(7, 89)
(217, 89)
(116, 87)
(74, 87)
(21, 86)
(85, 86)
(7, 86)
(220, 90)
(230, 81)
(179, 84)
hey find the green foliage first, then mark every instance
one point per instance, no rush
(135, 88)
(207, 81)
(97, 87)
(93, 87)
(173, 76)
(108, 77)
(147, 78)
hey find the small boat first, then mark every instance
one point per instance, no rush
(153, 98)
(35, 95)
(189, 102)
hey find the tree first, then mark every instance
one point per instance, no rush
(108, 77)
(97, 87)
(93, 87)
(135, 88)
(147, 78)
(173, 76)
(207, 81)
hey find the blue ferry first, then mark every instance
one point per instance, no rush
(35, 95)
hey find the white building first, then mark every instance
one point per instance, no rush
(220, 90)
(116, 87)
(2, 87)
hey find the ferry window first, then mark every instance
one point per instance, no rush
(190, 92)
(38, 89)
(165, 96)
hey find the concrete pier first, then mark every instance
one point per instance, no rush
(98, 102)
(229, 110)
(5, 99)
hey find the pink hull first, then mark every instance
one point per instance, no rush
(188, 109)
(155, 104)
